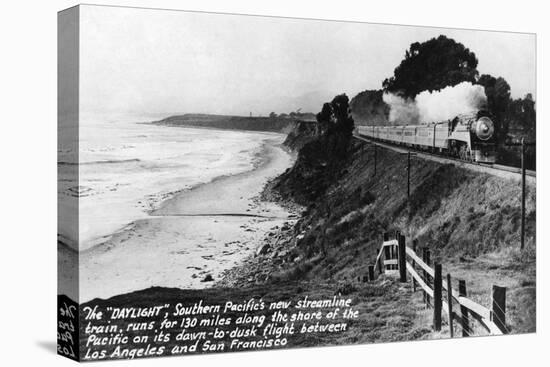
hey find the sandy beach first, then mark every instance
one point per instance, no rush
(192, 237)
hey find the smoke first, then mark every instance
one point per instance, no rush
(401, 110)
(436, 106)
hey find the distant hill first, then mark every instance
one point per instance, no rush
(274, 124)
(368, 108)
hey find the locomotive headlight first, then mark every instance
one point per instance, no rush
(484, 128)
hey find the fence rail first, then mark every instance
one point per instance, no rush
(395, 257)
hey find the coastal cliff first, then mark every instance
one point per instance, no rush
(273, 124)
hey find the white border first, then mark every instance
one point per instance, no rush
(28, 151)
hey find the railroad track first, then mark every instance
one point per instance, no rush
(492, 169)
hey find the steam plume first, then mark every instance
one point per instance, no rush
(436, 106)
(401, 110)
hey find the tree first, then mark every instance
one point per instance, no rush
(337, 126)
(522, 117)
(335, 116)
(497, 91)
(368, 108)
(324, 118)
(272, 115)
(432, 65)
(341, 112)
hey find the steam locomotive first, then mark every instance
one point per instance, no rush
(470, 137)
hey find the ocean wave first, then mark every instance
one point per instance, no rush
(107, 161)
(79, 191)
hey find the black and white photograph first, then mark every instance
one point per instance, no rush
(232, 182)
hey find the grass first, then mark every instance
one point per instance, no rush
(386, 312)
(470, 222)
(501, 268)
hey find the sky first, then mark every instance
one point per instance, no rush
(139, 61)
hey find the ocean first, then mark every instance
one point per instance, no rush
(127, 169)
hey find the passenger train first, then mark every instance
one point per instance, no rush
(470, 137)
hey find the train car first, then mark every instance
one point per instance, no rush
(470, 137)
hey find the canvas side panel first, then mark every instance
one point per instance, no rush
(67, 182)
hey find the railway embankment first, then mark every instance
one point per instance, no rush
(469, 220)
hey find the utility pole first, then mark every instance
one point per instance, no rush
(408, 174)
(523, 190)
(375, 159)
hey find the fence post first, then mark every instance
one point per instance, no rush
(415, 243)
(371, 273)
(437, 297)
(386, 252)
(498, 309)
(387, 255)
(450, 304)
(394, 249)
(463, 310)
(402, 260)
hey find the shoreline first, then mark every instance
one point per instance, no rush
(156, 199)
(193, 237)
(262, 159)
(276, 255)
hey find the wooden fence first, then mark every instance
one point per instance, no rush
(396, 258)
